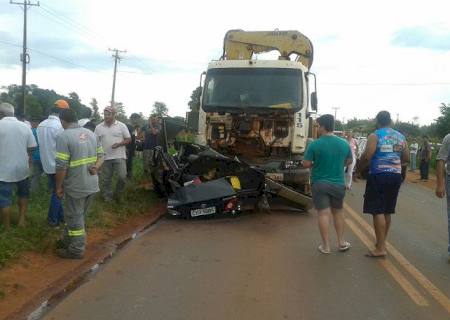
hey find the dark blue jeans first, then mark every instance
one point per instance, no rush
(424, 165)
(55, 210)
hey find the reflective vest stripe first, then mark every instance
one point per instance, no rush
(62, 156)
(76, 233)
(82, 161)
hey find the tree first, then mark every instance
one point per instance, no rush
(160, 109)
(96, 117)
(81, 110)
(363, 126)
(338, 126)
(39, 102)
(408, 129)
(443, 122)
(430, 130)
(194, 103)
(120, 112)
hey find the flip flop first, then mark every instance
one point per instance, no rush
(345, 247)
(371, 255)
(322, 250)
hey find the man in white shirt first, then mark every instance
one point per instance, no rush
(113, 136)
(16, 142)
(47, 132)
(413, 155)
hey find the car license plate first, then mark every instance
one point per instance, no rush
(275, 176)
(203, 211)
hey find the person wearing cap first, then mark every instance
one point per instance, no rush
(79, 156)
(114, 136)
(16, 142)
(47, 132)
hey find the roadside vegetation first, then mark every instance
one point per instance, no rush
(37, 236)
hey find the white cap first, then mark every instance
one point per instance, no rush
(82, 122)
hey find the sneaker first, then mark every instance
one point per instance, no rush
(66, 254)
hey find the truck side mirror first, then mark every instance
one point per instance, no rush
(201, 79)
(314, 92)
(314, 101)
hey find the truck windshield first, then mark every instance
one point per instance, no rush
(273, 88)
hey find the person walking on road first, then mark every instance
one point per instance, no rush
(79, 156)
(349, 169)
(385, 152)
(327, 156)
(425, 157)
(16, 142)
(47, 132)
(413, 148)
(114, 136)
(151, 133)
(443, 179)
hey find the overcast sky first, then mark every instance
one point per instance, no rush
(392, 55)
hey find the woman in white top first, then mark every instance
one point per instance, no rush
(349, 170)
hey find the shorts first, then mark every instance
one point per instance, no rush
(381, 193)
(6, 189)
(328, 195)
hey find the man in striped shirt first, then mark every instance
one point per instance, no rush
(79, 156)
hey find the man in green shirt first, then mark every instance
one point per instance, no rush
(328, 156)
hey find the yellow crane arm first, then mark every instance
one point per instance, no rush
(241, 45)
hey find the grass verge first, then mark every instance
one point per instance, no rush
(37, 236)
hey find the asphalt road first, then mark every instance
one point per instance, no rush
(266, 266)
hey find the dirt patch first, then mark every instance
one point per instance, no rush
(414, 177)
(28, 282)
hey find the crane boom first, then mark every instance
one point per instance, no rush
(241, 45)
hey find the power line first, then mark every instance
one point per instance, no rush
(72, 21)
(55, 58)
(65, 23)
(136, 72)
(11, 44)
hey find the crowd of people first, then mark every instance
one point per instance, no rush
(72, 153)
(385, 157)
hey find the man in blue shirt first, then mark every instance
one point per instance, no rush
(327, 156)
(385, 153)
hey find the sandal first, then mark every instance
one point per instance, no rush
(370, 254)
(322, 250)
(345, 246)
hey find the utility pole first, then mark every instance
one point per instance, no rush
(335, 113)
(24, 57)
(116, 59)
